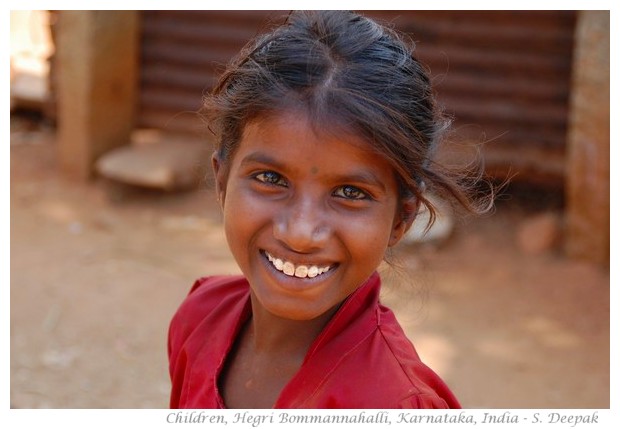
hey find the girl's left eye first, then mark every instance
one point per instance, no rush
(270, 178)
(351, 193)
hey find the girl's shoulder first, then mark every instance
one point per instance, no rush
(206, 296)
(213, 290)
(425, 388)
(205, 287)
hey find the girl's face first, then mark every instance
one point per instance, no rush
(308, 217)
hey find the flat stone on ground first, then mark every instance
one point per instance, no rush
(171, 163)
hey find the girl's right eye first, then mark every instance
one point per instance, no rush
(270, 178)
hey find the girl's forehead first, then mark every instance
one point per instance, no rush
(296, 129)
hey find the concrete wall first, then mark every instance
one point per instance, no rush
(97, 85)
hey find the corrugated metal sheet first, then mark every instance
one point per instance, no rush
(183, 52)
(503, 75)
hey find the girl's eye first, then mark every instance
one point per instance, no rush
(270, 178)
(350, 193)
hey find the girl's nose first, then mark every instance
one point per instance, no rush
(302, 226)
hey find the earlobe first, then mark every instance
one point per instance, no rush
(404, 219)
(220, 180)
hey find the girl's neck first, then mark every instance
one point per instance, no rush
(268, 353)
(274, 335)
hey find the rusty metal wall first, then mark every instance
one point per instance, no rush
(503, 75)
(183, 53)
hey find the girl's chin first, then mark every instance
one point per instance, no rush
(292, 308)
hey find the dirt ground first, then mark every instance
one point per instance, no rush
(96, 276)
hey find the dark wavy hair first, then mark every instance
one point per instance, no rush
(348, 74)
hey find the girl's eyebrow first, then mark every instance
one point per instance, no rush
(261, 158)
(362, 176)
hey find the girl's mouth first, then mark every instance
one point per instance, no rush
(300, 271)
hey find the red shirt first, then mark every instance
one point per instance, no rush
(361, 359)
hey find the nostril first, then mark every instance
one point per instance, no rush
(301, 241)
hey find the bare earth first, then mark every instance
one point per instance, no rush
(97, 273)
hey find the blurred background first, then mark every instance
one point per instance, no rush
(113, 214)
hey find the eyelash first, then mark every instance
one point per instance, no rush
(271, 178)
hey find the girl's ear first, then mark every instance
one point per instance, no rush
(404, 219)
(220, 178)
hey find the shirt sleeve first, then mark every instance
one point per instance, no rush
(424, 401)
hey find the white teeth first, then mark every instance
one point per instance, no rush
(288, 269)
(301, 271)
(313, 271)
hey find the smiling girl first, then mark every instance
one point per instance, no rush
(325, 133)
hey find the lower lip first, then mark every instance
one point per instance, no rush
(296, 283)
